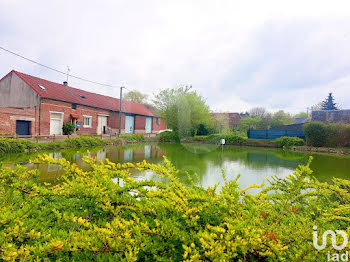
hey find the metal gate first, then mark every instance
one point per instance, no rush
(22, 128)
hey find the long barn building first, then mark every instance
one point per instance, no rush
(33, 106)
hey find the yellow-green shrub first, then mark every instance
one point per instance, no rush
(89, 217)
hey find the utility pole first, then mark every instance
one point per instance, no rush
(120, 109)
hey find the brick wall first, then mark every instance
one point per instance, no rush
(158, 124)
(8, 117)
(66, 109)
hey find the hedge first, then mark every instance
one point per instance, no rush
(169, 136)
(230, 139)
(13, 145)
(327, 135)
(88, 217)
(287, 141)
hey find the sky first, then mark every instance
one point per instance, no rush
(281, 55)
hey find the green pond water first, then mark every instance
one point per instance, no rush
(255, 165)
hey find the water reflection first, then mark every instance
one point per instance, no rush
(255, 164)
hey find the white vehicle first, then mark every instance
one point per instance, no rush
(166, 130)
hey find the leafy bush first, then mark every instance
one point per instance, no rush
(204, 130)
(132, 137)
(169, 136)
(287, 141)
(88, 217)
(327, 135)
(83, 141)
(315, 133)
(230, 139)
(13, 145)
(68, 128)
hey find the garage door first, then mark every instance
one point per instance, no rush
(22, 127)
(56, 123)
(148, 125)
(129, 124)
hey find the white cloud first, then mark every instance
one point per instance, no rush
(225, 49)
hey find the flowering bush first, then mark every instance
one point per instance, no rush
(104, 215)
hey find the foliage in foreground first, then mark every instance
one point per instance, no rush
(89, 217)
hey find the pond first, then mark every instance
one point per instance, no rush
(255, 165)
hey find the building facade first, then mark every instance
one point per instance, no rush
(332, 116)
(226, 121)
(35, 106)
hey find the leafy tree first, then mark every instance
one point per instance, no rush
(250, 123)
(183, 110)
(136, 96)
(329, 103)
(283, 118)
(301, 114)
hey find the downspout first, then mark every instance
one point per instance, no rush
(40, 116)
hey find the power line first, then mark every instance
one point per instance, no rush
(56, 70)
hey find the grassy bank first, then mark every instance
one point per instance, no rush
(90, 217)
(243, 141)
(13, 145)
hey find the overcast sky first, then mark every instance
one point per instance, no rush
(237, 54)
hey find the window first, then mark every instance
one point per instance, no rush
(83, 97)
(87, 121)
(157, 121)
(42, 87)
(74, 106)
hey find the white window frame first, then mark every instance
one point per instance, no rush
(88, 117)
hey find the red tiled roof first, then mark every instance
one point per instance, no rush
(73, 95)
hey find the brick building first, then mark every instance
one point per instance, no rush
(226, 121)
(34, 106)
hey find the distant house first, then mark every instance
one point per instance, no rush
(227, 120)
(33, 106)
(300, 120)
(332, 116)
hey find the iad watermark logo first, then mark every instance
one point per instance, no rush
(332, 256)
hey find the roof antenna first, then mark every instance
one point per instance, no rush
(65, 83)
(68, 70)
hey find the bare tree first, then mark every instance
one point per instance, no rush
(258, 111)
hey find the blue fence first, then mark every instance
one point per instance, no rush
(273, 134)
